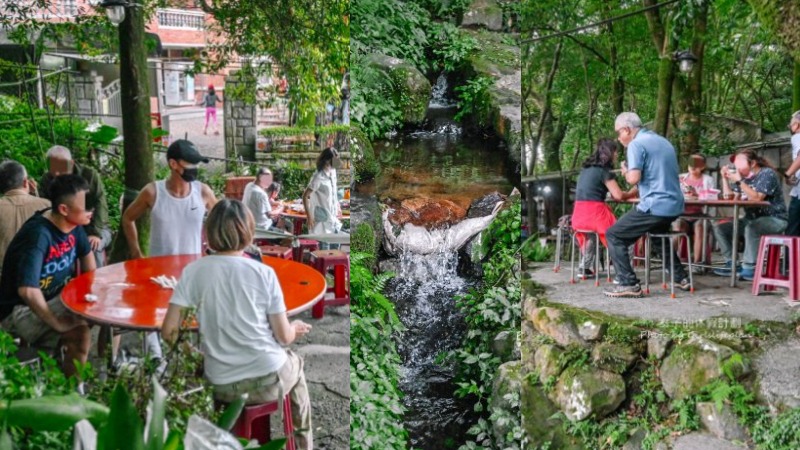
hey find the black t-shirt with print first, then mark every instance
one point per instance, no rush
(592, 184)
(766, 182)
(40, 256)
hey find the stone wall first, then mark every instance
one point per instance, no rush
(85, 95)
(590, 366)
(240, 125)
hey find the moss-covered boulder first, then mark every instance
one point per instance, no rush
(693, 365)
(507, 385)
(499, 59)
(614, 357)
(548, 362)
(583, 392)
(411, 91)
(556, 324)
(541, 424)
(484, 13)
(363, 156)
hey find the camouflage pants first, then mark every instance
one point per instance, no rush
(289, 378)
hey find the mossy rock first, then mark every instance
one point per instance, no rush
(556, 324)
(547, 359)
(508, 380)
(695, 364)
(363, 156)
(540, 422)
(584, 392)
(410, 90)
(484, 13)
(616, 358)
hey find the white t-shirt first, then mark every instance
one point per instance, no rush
(233, 296)
(257, 200)
(323, 202)
(795, 151)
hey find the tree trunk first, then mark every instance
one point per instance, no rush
(546, 113)
(691, 92)
(135, 95)
(618, 84)
(553, 133)
(666, 68)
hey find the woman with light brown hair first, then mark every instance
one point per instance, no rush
(243, 321)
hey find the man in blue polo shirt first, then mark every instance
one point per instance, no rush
(652, 165)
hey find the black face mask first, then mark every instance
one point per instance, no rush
(189, 175)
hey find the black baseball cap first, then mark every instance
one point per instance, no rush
(185, 150)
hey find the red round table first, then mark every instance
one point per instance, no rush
(127, 298)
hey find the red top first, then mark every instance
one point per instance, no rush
(126, 297)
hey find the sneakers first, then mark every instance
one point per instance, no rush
(684, 284)
(746, 273)
(619, 291)
(697, 270)
(724, 271)
(584, 274)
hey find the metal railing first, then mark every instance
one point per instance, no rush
(179, 18)
(111, 99)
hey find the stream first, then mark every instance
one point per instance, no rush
(436, 161)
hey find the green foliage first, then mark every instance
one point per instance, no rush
(363, 156)
(533, 250)
(391, 27)
(372, 106)
(284, 131)
(493, 307)
(363, 241)
(474, 100)
(451, 46)
(376, 411)
(310, 41)
(293, 179)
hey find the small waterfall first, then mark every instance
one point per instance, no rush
(439, 94)
(424, 292)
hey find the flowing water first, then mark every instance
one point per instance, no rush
(437, 161)
(424, 292)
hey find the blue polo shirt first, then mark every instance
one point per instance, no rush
(659, 187)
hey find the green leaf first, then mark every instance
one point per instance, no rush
(124, 428)
(5, 441)
(228, 418)
(277, 444)
(104, 135)
(52, 413)
(174, 441)
(155, 435)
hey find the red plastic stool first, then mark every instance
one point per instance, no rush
(323, 260)
(276, 251)
(254, 423)
(309, 245)
(769, 275)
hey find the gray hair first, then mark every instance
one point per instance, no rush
(12, 175)
(59, 152)
(629, 120)
(796, 116)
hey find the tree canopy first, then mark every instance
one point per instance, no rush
(574, 85)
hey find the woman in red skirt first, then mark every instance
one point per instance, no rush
(591, 213)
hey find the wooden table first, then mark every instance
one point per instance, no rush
(127, 298)
(736, 204)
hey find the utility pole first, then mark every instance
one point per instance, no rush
(136, 128)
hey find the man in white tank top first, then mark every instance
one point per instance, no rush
(177, 206)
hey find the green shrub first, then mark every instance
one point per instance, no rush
(363, 241)
(363, 156)
(474, 100)
(376, 411)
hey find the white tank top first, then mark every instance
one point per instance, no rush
(176, 224)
